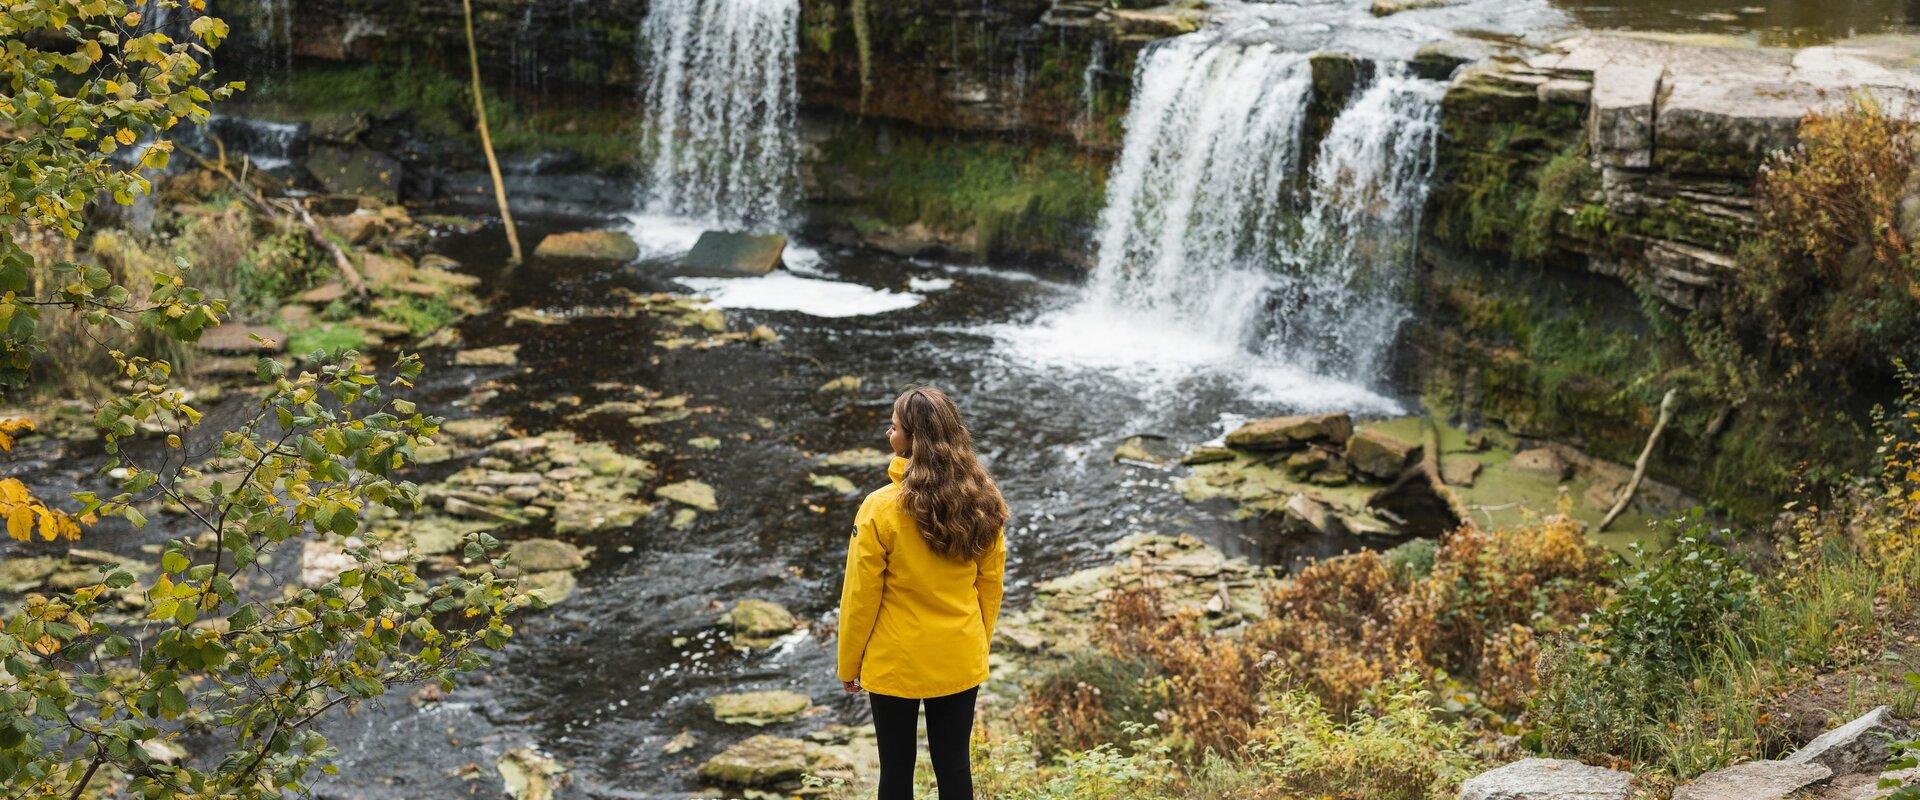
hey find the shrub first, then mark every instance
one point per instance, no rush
(1089, 700)
(1393, 747)
(1826, 293)
(1212, 683)
(1343, 625)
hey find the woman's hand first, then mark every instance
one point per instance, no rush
(852, 686)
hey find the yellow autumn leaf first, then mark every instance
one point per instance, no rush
(20, 522)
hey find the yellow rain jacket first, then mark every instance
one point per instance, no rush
(914, 623)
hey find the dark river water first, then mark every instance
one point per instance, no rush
(598, 681)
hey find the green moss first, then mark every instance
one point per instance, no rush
(440, 104)
(1012, 198)
(421, 315)
(328, 337)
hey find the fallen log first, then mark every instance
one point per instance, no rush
(289, 212)
(1640, 465)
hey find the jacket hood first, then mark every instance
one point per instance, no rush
(897, 468)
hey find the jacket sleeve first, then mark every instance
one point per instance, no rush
(860, 594)
(990, 583)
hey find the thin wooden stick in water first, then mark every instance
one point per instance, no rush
(1640, 466)
(486, 138)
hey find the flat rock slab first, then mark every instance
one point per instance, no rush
(759, 708)
(1754, 780)
(609, 246)
(720, 254)
(232, 338)
(1548, 779)
(1289, 433)
(758, 761)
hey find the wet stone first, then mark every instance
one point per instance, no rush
(864, 457)
(527, 774)
(1289, 433)
(757, 623)
(1207, 455)
(759, 708)
(543, 555)
(551, 588)
(1380, 455)
(759, 761)
(837, 484)
(690, 493)
(505, 355)
(602, 246)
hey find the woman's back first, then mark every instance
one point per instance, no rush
(933, 615)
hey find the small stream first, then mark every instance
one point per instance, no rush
(598, 681)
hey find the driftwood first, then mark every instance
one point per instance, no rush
(1640, 465)
(288, 212)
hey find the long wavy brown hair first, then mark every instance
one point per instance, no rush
(952, 499)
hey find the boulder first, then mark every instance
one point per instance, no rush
(1380, 455)
(602, 246)
(1459, 471)
(759, 708)
(355, 170)
(721, 254)
(757, 623)
(1548, 779)
(1542, 461)
(475, 429)
(1754, 780)
(1291, 433)
(1858, 746)
(759, 761)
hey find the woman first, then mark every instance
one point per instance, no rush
(922, 592)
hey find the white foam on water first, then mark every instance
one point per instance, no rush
(1162, 358)
(664, 235)
(785, 291)
(929, 284)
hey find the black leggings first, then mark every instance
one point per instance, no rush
(949, 733)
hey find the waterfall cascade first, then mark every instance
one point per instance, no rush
(720, 99)
(1213, 232)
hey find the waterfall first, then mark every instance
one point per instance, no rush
(720, 99)
(1212, 231)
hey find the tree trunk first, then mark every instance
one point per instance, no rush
(486, 138)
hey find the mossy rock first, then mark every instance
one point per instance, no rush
(757, 623)
(759, 708)
(600, 246)
(544, 555)
(759, 761)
